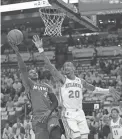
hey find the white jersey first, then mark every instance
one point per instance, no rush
(116, 129)
(71, 94)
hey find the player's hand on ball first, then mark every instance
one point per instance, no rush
(115, 94)
(37, 41)
(45, 116)
(13, 45)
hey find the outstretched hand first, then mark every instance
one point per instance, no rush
(37, 41)
(115, 94)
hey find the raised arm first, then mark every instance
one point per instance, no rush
(39, 44)
(93, 88)
(22, 66)
(97, 90)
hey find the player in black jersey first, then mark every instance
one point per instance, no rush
(44, 102)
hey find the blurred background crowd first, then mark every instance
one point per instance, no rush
(15, 104)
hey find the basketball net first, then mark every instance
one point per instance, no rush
(53, 20)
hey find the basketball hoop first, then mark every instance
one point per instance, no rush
(53, 20)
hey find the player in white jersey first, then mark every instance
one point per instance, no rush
(71, 94)
(116, 124)
(119, 108)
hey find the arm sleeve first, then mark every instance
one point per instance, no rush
(87, 85)
(23, 69)
(54, 101)
(99, 90)
(96, 90)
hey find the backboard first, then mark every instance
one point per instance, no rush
(73, 13)
(96, 7)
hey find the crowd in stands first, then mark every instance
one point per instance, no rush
(91, 41)
(15, 103)
(98, 41)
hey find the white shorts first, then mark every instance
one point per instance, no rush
(75, 124)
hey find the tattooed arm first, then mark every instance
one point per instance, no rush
(39, 44)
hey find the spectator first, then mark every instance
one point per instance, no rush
(11, 91)
(15, 100)
(28, 128)
(98, 126)
(92, 75)
(96, 79)
(2, 78)
(22, 98)
(93, 133)
(9, 81)
(88, 78)
(7, 132)
(105, 112)
(119, 80)
(4, 88)
(94, 58)
(99, 114)
(1, 96)
(106, 128)
(17, 85)
(27, 122)
(18, 129)
(10, 103)
(102, 64)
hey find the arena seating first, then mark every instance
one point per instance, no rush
(12, 114)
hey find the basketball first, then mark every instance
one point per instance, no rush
(15, 36)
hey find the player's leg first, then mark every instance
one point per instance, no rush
(71, 128)
(40, 130)
(84, 130)
(82, 124)
(54, 128)
(84, 136)
(55, 133)
(61, 126)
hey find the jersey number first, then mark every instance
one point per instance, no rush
(74, 94)
(115, 132)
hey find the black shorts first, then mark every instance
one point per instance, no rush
(43, 129)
